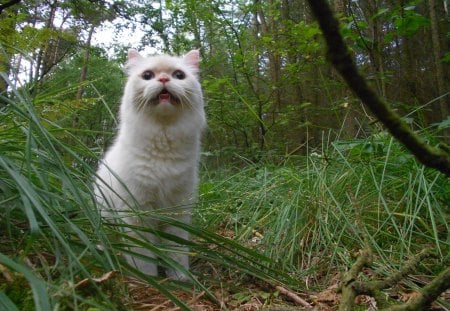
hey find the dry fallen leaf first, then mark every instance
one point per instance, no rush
(407, 296)
(6, 275)
(328, 296)
(103, 278)
(370, 302)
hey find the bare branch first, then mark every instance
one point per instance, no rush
(340, 57)
(428, 294)
(8, 4)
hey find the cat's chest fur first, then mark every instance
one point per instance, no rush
(157, 165)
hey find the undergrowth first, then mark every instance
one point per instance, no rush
(304, 216)
(293, 224)
(54, 243)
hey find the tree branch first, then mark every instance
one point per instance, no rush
(348, 289)
(351, 287)
(429, 293)
(340, 57)
(8, 4)
(407, 268)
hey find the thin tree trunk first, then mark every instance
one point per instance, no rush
(42, 55)
(84, 69)
(377, 50)
(268, 28)
(339, 6)
(261, 125)
(5, 59)
(437, 53)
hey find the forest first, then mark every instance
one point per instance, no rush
(310, 198)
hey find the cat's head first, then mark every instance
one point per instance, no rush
(163, 86)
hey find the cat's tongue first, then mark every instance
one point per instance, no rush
(164, 96)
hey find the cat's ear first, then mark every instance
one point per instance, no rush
(192, 58)
(133, 57)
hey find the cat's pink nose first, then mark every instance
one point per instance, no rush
(164, 79)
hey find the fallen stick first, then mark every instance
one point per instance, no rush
(294, 297)
(428, 294)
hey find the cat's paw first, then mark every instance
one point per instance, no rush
(178, 276)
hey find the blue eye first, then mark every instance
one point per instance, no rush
(178, 74)
(148, 75)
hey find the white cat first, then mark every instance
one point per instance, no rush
(153, 162)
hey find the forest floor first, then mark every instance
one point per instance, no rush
(265, 236)
(245, 293)
(254, 295)
(254, 298)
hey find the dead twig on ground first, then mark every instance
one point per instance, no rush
(428, 293)
(351, 287)
(294, 297)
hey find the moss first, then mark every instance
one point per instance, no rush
(19, 291)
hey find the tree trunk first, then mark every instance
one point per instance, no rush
(84, 69)
(261, 127)
(339, 6)
(269, 29)
(6, 57)
(437, 53)
(42, 55)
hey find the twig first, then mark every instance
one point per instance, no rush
(6, 274)
(349, 291)
(407, 268)
(294, 297)
(347, 287)
(352, 288)
(87, 281)
(429, 293)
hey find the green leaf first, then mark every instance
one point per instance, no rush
(409, 24)
(380, 12)
(444, 123)
(446, 58)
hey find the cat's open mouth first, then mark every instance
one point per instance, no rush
(166, 97)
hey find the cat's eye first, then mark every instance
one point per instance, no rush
(178, 74)
(148, 75)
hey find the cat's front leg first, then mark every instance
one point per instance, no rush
(178, 253)
(142, 258)
(144, 265)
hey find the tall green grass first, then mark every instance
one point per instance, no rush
(53, 236)
(304, 216)
(50, 226)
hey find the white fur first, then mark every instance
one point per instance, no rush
(154, 159)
